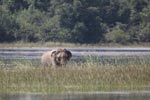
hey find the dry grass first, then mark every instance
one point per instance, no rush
(86, 76)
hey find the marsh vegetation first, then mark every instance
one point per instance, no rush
(93, 74)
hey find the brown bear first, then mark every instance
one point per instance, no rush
(58, 57)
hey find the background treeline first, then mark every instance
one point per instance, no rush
(76, 21)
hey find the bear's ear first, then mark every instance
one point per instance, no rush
(53, 54)
(69, 54)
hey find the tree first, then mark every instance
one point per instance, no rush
(77, 21)
(8, 26)
(117, 35)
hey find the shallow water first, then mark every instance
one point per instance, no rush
(78, 52)
(80, 96)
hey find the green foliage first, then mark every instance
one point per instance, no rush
(77, 21)
(117, 35)
(30, 22)
(8, 26)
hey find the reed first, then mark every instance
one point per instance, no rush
(90, 75)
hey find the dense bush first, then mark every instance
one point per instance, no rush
(117, 36)
(77, 21)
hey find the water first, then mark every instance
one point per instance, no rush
(78, 52)
(80, 96)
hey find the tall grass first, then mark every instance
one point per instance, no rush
(89, 75)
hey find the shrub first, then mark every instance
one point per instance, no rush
(117, 35)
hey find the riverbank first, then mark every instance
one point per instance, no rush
(91, 75)
(59, 44)
(97, 95)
